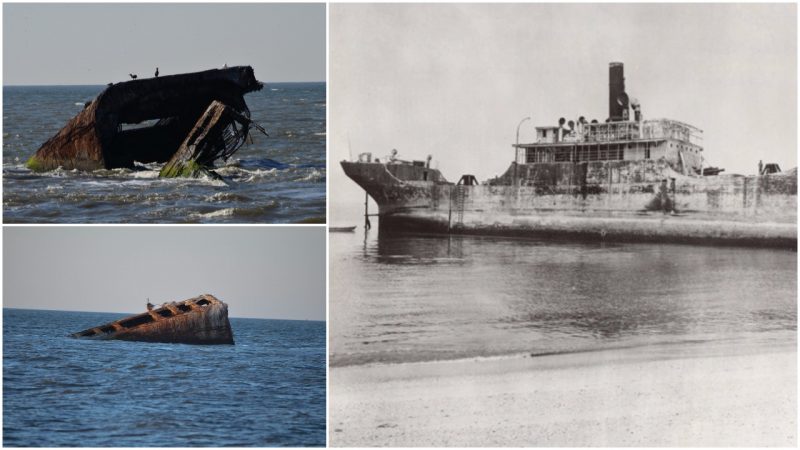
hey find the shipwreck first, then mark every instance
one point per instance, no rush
(198, 320)
(623, 179)
(187, 121)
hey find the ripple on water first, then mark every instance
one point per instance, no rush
(65, 392)
(418, 298)
(268, 169)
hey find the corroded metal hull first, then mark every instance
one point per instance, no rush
(595, 201)
(95, 138)
(199, 320)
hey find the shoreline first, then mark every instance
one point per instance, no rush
(714, 394)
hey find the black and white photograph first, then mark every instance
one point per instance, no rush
(562, 225)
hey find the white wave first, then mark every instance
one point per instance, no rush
(121, 171)
(233, 171)
(95, 183)
(79, 103)
(151, 166)
(137, 182)
(218, 213)
(145, 174)
(221, 197)
(229, 171)
(19, 167)
(314, 175)
(60, 171)
(259, 174)
(212, 181)
(320, 134)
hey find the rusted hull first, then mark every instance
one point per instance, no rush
(96, 139)
(216, 135)
(751, 211)
(201, 320)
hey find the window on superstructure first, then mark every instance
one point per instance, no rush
(562, 155)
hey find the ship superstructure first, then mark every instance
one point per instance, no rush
(621, 137)
(626, 178)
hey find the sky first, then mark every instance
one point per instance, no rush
(62, 44)
(455, 80)
(260, 272)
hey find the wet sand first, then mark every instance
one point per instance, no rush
(672, 395)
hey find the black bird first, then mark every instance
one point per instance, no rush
(133, 77)
(149, 305)
(156, 72)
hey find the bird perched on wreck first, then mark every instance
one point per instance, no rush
(133, 76)
(156, 72)
(149, 305)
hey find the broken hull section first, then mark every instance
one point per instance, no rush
(219, 132)
(97, 138)
(201, 320)
(610, 203)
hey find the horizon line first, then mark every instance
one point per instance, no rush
(106, 84)
(117, 312)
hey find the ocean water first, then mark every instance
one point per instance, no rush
(267, 390)
(276, 179)
(404, 298)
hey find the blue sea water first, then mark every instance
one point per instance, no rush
(275, 179)
(267, 390)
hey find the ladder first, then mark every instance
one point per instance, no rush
(460, 200)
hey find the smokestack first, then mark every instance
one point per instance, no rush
(617, 98)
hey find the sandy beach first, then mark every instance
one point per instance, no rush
(671, 395)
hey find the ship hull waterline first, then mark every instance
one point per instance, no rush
(201, 320)
(602, 215)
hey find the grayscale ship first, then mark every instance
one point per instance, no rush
(625, 179)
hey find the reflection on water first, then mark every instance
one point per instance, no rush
(409, 298)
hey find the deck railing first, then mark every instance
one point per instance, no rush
(626, 131)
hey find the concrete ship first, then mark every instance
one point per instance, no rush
(198, 320)
(627, 179)
(187, 121)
